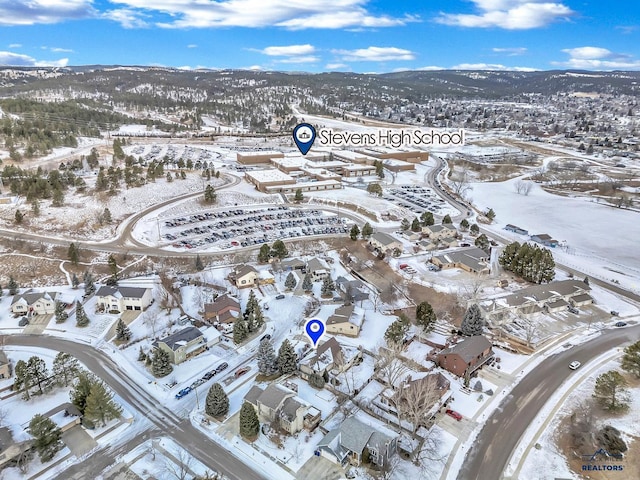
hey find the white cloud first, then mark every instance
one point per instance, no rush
(192, 45)
(290, 14)
(597, 58)
(490, 66)
(127, 17)
(512, 51)
(288, 50)
(430, 68)
(301, 59)
(30, 12)
(375, 54)
(509, 14)
(20, 60)
(336, 66)
(60, 50)
(15, 45)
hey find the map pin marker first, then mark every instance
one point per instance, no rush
(314, 329)
(304, 135)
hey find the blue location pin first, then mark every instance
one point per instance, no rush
(304, 135)
(314, 329)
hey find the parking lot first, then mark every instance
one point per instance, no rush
(417, 199)
(244, 227)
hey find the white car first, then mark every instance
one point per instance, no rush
(574, 365)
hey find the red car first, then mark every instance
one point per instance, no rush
(454, 414)
(241, 371)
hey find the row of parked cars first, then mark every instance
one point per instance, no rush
(415, 198)
(207, 376)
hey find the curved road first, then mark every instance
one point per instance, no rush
(211, 454)
(503, 430)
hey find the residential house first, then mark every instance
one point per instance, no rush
(436, 232)
(544, 239)
(330, 358)
(411, 236)
(10, 448)
(347, 443)
(471, 259)
(292, 264)
(515, 229)
(317, 269)
(224, 309)
(466, 356)
(183, 344)
(5, 366)
(385, 243)
(43, 303)
(277, 403)
(118, 299)
(346, 320)
(353, 290)
(244, 276)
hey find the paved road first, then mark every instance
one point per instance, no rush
(503, 430)
(186, 435)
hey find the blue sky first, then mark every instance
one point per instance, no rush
(329, 35)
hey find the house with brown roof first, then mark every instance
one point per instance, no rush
(436, 232)
(466, 356)
(5, 366)
(244, 276)
(224, 309)
(346, 320)
(277, 403)
(330, 358)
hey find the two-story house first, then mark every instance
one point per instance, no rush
(244, 276)
(466, 356)
(43, 303)
(224, 309)
(119, 299)
(183, 344)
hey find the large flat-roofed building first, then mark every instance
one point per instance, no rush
(254, 158)
(305, 187)
(397, 165)
(263, 179)
(289, 164)
(358, 170)
(353, 157)
(320, 173)
(411, 156)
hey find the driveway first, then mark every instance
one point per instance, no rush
(37, 324)
(78, 441)
(319, 468)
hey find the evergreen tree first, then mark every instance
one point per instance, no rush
(267, 360)
(532, 263)
(106, 216)
(58, 198)
(379, 168)
(12, 286)
(396, 332)
(82, 320)
(472, 322)
(169, 177)
(490, 214)
(100, 406)
(65, 368)
(249, 423)
(316, 380)
(367, 230)
(123, 333)
(217, 403)
(199, 264)
(415, 225)
(101, 180)
(354, 232)
(405, 225)
(142, 357)
(113, 268)
(611, 391)
(74, 280)
(427, 219)
(474, 229)
(425, 316)
(631, 359)
(61, 314)
(47, 437)
(240, 330)
(464, 224)
(38, 373)
(586, 280)
(482, 242)
(290, 283)
(298, 197)
(89, 286)
(81, 390)
(19, 217)
(307, 284)
(374, 189)
(287, 358)
(22, 379)
(328, 287)
(73, 253)
(447, 219)
(264, 254)
(161, 363)
(279, 249)
(35, 208)
(210, 194)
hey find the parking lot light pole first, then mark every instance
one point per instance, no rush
(197, 399)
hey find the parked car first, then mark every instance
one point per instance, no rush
(241, 371)
(221, 367)
(183, 392)
(621, 324)
(265, 337)
(574, 365)
(24, 321)
(614, 313)
(573, 310)
(402, 266)
(280, 297)
(454, 414)
(209, 375)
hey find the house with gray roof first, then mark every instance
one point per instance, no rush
(470, 259)
(466, 356)
(278, 404)
(119, 299)
(183, 344)
(347, 443)
(42, 303)
(353, 290)
(331, 358)
(346, 320)
(385, 243)
(317, 269)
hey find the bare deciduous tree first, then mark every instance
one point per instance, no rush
(389, 365)
(414, 399)
(460, 183)
(523, 188)
(179, 465)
